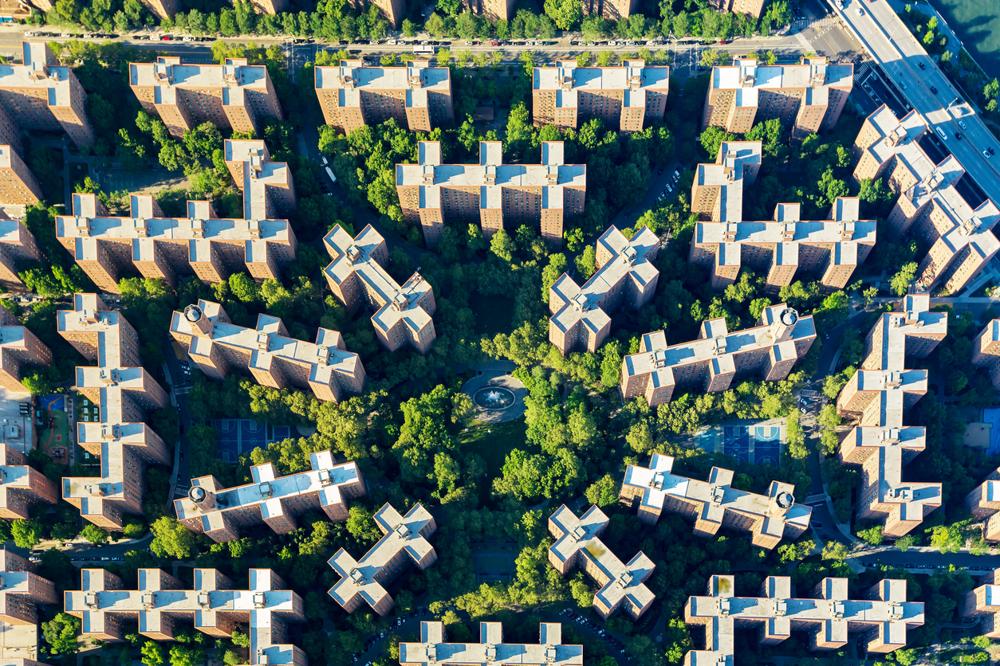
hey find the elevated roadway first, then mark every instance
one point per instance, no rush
(925, 87)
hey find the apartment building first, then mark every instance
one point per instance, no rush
(750, 7)
(18, 186)
(109, 247)
(809, 96)
(714, 503)
(416, 95)
(161, 606)
(885, 615)
(222, 513)
(162, 9)
(717, 357)
(625, 275)
(17, 247)
(494, 10)
(357, 275)
(613, 10)
(494, 194)
(578, 545)
(957, 237)
(832, 248)
(274, 359)
(269, 6)
(41, 95)
(433, 648)
(123, 390)
(405, 539)
(394, 11)
(876, 398)
(983, 604)
(628, 96)
(20, 350)
(234, 94)
(267, 186)
(984, 505)
(16, 10)
(21, 485)
(21, 593)
(986, 351)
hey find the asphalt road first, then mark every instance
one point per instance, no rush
(888, 40)
(926, 560)
(785, 45)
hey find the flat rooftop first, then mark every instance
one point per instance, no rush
(171, 71)
(38, 71)
(814, 72)
(490, 171)
(632, 74)
(491, 648)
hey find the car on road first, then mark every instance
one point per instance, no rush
(961, 123)
(934, 90)
(921, 65)
(941, 133)
(988, 153)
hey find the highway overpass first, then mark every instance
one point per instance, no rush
(925, 87)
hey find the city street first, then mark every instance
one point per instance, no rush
(831, 40)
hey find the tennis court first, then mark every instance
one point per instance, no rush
(237, 437)
(754, 443)
(991, 415)
(494, 563)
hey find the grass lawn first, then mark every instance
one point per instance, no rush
(494, 442)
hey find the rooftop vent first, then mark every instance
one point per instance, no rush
(193, 313)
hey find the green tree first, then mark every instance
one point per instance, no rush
(947, 538)
(61, 634)
(586, 262)
(25, 533)
(795, 437)
(711, 140)
(171, 539)
(829, 421)
(553, 269)
(872, 535)
(900, 283)
(243, 287)
(151, 654)
(502, 245)
(361, 525)
(94, 534)
(603, 492)
(564, 13)
(185, 655)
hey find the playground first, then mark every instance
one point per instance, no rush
(53, 421)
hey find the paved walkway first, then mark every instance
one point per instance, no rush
(496, 374)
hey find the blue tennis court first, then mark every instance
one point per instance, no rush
(237, 437)
(991, 415)
(754, 443)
